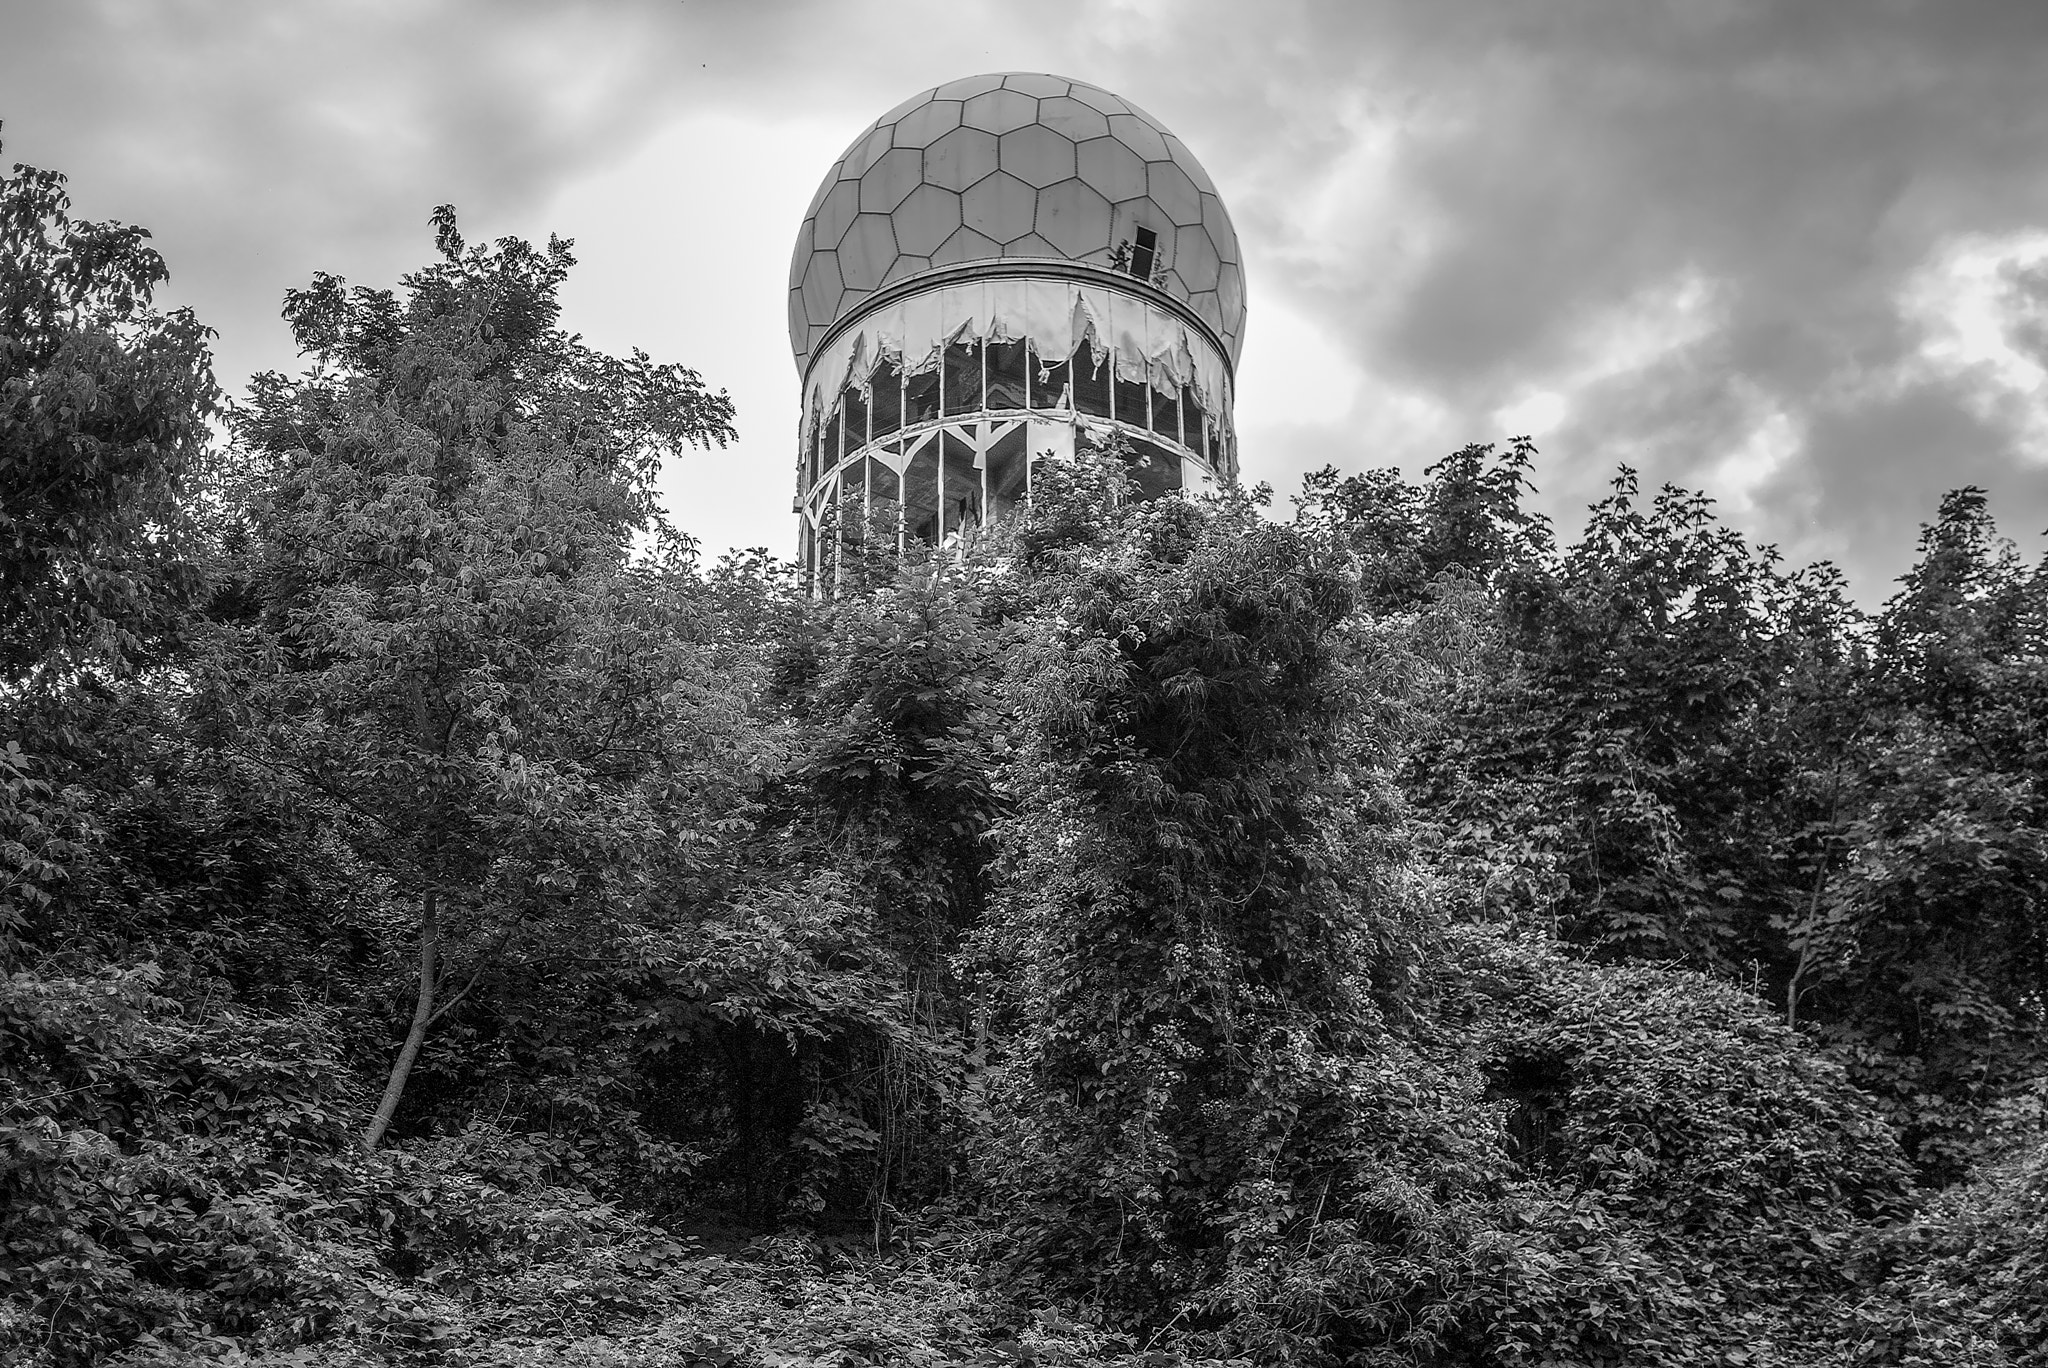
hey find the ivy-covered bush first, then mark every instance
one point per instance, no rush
(1714, 1166)
(1963, 1281)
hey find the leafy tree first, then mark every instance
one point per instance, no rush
(104, 410)
(1195, 959)
(454, 647)
(1928, 962)
(1465, 520)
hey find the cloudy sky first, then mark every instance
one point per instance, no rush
(1794, 254)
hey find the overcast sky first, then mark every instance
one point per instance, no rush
(1794, 254)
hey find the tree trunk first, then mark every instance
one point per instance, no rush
(422, 1014)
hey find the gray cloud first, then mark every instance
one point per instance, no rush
(1698, 219)
(1805, 159)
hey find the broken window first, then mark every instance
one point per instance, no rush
(1092, 380)
(854, 405)
(1166, 415)
(887, 387)
(1006, 371)
(921, 397)
(1144, 254)
(962, 487)
(963, 378)
(885, 506)
(1049, 380)
(921, 492)
(1193, 423)
(1008, 472)
(1131, 402)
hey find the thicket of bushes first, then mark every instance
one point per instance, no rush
(443, 921)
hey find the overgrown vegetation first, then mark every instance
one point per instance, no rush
(444, 922)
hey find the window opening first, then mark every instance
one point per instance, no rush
(1008, 471)
(885, 506)
(1131, 397)
(888, 396)
(1193, 423)
(1091, 381)
(1049, 379)
(1007, 367)
(963, 378)
(1154, 469)
(1166, 414)
(855, 407)
(921, 397)
(921, 493)
(961, 488)
(1142, 255)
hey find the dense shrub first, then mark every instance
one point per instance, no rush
(1720, 1166)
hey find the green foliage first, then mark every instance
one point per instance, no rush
(1661, 746)
(1722, 1168)
(1196, 955)
(1930, 948)
(162, 1176)
(452, 647)
(1136, 934)
(104, 404)
(1965, 1276)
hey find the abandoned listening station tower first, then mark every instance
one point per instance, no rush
(997, 269)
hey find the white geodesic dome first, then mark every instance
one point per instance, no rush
(1012, 165)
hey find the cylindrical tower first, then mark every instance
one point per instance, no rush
(995, 269)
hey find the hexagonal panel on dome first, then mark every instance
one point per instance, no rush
(822, 286)
(966, 245)
(1140, 136)
(866, 149)
(1036, 84)
(866, 251)
(999, 111)
(1010, 164)
(905, 267)
(1032, 245)
(968, 86)
(1068, 116)
(1074, 217)
(1185, 160)
(1169, 187)
(926, 219)
(835, 215)
(999, 207)
(1099, 99)
(1035, 154)
(921, 98)
(1111, 167)
(960, 158)
(928, 122)
(890, 180)
(1195, 262)
(1216, 223)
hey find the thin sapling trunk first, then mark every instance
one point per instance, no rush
(422, 1015)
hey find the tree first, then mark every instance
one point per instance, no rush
(453, 647)
(1195, 956)
(1930, 962)
(1465, 520)
(105, 404)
